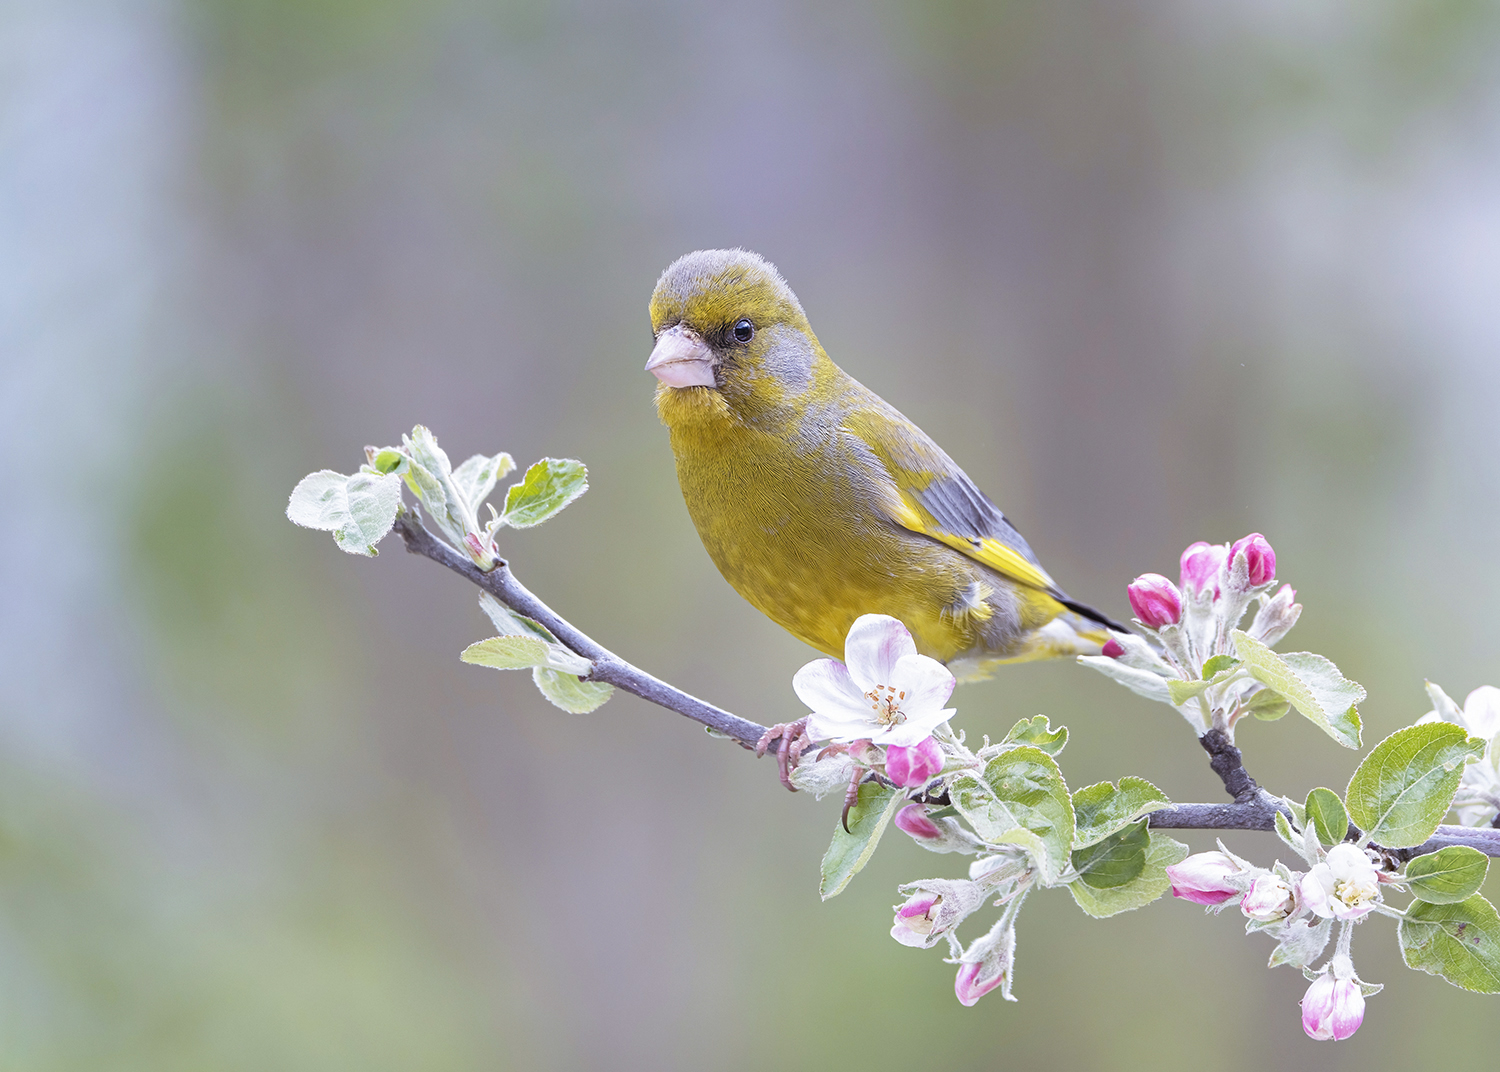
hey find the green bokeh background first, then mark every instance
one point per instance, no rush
(1152, 272)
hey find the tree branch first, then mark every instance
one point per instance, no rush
(1253, 809)
(608, 667)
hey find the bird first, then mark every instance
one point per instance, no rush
(820, 502)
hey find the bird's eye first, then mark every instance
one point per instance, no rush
(744, 331)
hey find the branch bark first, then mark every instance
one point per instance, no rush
(1253, 808)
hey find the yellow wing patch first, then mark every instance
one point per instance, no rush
(985, 550)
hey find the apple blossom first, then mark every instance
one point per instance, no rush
(1332, 1008)
(1276, 616)
(988, 963)
(1260, 559)
(1202, 564)
(1478, 800)
(913, 820)
(913, 766)
(1202, 878)
(1155, 600)
(1345, 886)
(934, 909)
(1268, 899)
(883, 691)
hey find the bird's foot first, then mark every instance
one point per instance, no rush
(794, 740)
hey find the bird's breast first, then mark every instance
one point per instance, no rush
(790, 516)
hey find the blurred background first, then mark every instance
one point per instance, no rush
(1151, 272)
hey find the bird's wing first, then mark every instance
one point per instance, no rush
(931, 495)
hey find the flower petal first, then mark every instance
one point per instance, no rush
(926, 682)
(874, 645)
(825, 686)
(838, 728)
(916, 729)
(1482, 711)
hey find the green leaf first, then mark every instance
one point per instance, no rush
(1115, 861)
(850, 850)
(1140, 891)
(359, 510)
(1459, 942)
(475, 478)
(1100, 810)
(1038, 731)
(507, 652)
(1326, 812)
(1449, 875)
(1310, 683)
(548, 486)
(570, 693)
(1404, 787)
(1218, 664)
(558, 657)
(1183, 691)
(387, 460)
(1267, 705)
(1020, 790)
(1285, 832)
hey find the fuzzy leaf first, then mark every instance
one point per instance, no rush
(1020, 789)
(1114, 861)
(1141, 682)
(1459, 942)
(1311, 683)
(1404, 787)
(507, 653)
(1038, 731)
(1327, 814)
(849, 851)
(359, 510)
(1449, 875)
(1299, 942)
(1183, 691)
(568, 692)
(475, 478)
(1140, 891)
(548, 486)
(1102, 809)
(1267, 705)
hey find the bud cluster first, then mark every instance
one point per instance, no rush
(1193, 623)
(1297, 910)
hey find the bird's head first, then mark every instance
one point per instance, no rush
(726, 322)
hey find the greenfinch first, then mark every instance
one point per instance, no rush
(819, 502)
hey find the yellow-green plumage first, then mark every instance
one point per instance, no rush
(819, 502)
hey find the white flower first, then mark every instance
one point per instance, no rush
(1345, 886)
(1478, 798)
(883, 691)
(1268, 899)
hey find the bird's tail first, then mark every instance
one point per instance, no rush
(1083, 610)
(1079, 630)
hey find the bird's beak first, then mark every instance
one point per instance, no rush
(682, 359)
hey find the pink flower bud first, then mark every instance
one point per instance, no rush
(916, 914)
(1268, 899)
(1332, 1008)
(913, 819)
(986, 964)
(1259, 558)
(1113, 649)
(910, 767)
(1202, 878)
(1155, 600)
(1201, 565)
(973, 983)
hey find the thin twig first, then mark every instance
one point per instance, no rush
(1254, 809)
(608, 667)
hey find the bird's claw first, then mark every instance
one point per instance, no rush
(794, 740)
